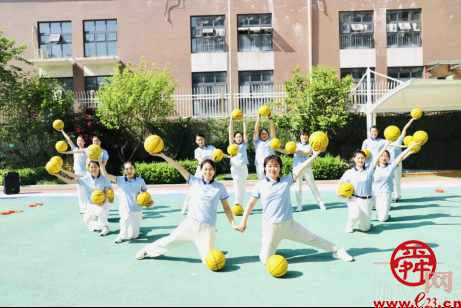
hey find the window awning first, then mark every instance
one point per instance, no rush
(443, 68)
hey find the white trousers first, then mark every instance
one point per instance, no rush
(274, 234)
(260, 172)
(360, 211)
(81, 192)
(240, 176)
(185, 205)
(96, 217)
(130, 224)
(188, 231)
(383, 202)
(308, 175)
(398, 181)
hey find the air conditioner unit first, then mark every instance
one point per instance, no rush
(357, 27)
(404, 26)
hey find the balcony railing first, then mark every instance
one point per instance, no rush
(357, 41)
(407, 39)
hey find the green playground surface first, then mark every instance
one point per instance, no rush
(49, 258)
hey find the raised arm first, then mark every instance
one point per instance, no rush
(273, 133)
(245, 131)
(110, 177)
(66, 180)
(306, 164)
(406, 154)
(251, 205)
(376, 160)
(256, 132)
(72, 175)
(231, 131)
(71, 143)
(230, 216)
(175, 164)
(404, 131)
(72, 152)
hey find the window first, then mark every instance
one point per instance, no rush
(256, 88)
(92, 83)
(404, 28)
(255, 32)
(208, 34)
(66, 83)
(356, 73)
(208, 90)
(100, 38)
(356, 30)
(55, 40)
(405, 73)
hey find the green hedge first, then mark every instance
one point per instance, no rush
(30, 176)
(324, 168)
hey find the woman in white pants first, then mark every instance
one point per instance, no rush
(239, 163)
(261, 141)
(79, 167)
(383, 184)
(303, 151)
(360, 205)
(96, 215)
(200, 225)
(278, 223)
(130, 211)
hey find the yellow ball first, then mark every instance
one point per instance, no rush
(346, 189)
(111, 196)
(265, 111)
(61, 146)
(237, 114)
(407, 140)
(237, 210)
(215, 260)
(367, 153)
(277, 266)
(58, 160)
(291, 147)
(53, 167)
(58, 125)
(217, 155)
(98, 197)
(94, 152)
(275, 144)
(232, 150)
(417, 148)
(319, 141)
(392, 133)
(420, 136)
(154, 144)
(416, 113)
(144, 198)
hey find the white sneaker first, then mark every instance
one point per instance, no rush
(342, 254)
(322, 206)
(300, 208)
(118, 240)
(350, 228)
(141, 254)
(104, 231)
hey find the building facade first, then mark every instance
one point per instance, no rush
(250, 50)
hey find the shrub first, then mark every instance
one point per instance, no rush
(324, 168)
(164, 173)
(30, 176)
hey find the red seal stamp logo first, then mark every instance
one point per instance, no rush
(411, 258)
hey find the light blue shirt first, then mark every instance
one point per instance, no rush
(204, 200)
(105, 155)
(263, 150)
(242, 156)
(395, 151)
(275, 199)
(375, 146)
(204, 153)
(384, 178)
(79, 160)
(298, 160)
(362, 180)
(129, 190)
(91, 184)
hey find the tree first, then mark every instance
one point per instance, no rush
(132, 99)
(315, 102)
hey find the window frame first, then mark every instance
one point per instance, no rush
(410, 68)
(99, 83)
(395, 34)
(62, 42)
(352, 35)
(87, 33)
(217, 39)
(261, 31)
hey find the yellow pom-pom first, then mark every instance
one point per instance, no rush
(237, 114)
(237, 210)
(417, 148)
(346, 189)
(154, 144)
(217, 155)
(407, 140)
(319, 141)
(275, 144)
(53, 167)
(291, 147)
(277, 266)
(232, 150)
(144, 198)
(111, 196)
(215, 260)
(421, 136)
(58, 160)
(98, 197)
(367, 153)
(392, 133)
(61, 146)
(94, 152)
(58, 125)
(416, 113)
(264, 111)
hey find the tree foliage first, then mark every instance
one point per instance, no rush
(134, 98)
(316, 102)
